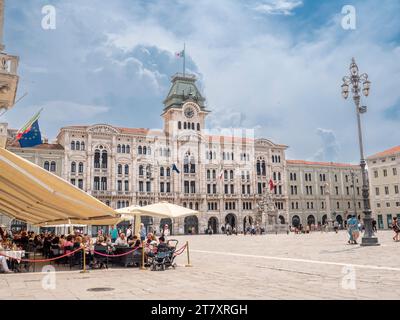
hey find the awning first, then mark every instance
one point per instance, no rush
(34, 195)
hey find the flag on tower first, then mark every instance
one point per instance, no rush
(29, 135)
(180, 54)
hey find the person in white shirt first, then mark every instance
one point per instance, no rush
(3, 261)
(166, 233)
(121, 240)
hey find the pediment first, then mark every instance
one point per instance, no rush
(103, 129)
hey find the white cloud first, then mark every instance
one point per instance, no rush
(329, 150)
(280, 7)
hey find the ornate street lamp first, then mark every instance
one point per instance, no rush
(354, 81)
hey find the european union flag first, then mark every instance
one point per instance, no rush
(31, 137)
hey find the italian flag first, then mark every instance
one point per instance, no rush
(28, 126)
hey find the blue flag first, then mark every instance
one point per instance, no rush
(174, 168)
(31, 137)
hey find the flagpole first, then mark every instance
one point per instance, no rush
(184, 59)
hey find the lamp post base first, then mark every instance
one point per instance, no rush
(369, 242)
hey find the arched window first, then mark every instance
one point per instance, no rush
(141, 170)
(46, 166)
(123, 148)
(162, 172)
(53, 166)
(192, 126)
(184, 125)
(258, 167)
(126, 169)
(104, 159)
(80, 167)
(140, 150)
(231, 174)
(128, 149)
(208, 174)
(78, 145)
(97, 159)
(179, 125)
(198, 127)
(119, 148)
(264, 172)
(168, 172)
(73, 167)
(144, 150)
(120, 169)
(82, 146)
(73, 145)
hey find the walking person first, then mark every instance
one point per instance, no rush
(353, 229)
(166, 232)
(142, 232)
(396, 229)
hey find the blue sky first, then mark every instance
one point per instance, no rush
(272, 65)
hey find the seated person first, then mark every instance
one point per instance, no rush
(121, 241)
(3, 262)
(67, 244)
(77, 242)
(135, 242)
(162, 245)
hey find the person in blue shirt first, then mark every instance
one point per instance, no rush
(113, 233)
(352, 228)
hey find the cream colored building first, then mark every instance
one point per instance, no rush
(384, 179)
(322, 191)
(222, 175)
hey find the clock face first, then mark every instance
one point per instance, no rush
(189, 112)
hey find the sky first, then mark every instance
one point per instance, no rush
(275, 66)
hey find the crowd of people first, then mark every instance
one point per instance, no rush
(51, 245)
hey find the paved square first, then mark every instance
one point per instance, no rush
(313, 266)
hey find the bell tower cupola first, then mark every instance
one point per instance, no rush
(184, 107)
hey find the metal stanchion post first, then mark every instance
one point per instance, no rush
(188, 255)
(84, 261)
(142, 266)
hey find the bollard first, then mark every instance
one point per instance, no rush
(188, 255)
(142, 266)
(84, 261)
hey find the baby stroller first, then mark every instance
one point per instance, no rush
(165, 256)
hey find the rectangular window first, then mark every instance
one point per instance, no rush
(80, 184)
(380, 222)
(148, 186)
(389, 220)
(386, 190)
(126, 185)
(396, 189)
(73, 181)
(162, 187)
(377, 191)
(376, 173)
(141, 186)
(395, 171)
(384, 172)
(168, 187)
(119, 185)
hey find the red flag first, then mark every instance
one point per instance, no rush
(271, 185)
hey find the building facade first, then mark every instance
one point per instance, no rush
(384, 179)
(323, 191)
(223, 176)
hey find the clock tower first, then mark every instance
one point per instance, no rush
(184, 106)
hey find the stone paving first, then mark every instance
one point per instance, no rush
(313, 266)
